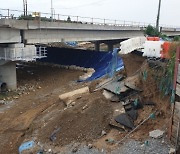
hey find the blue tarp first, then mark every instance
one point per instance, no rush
(103, 62)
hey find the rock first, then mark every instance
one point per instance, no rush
(39, 87)
(156, 134)
(172, 151)
(107, 94)
(75, 150)
(49, 150)
(110, 140)
(85, 107)
(73, 103)
(15, 97)
(90, 146)
(103, 133)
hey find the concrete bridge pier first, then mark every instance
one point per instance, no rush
(110, 46)
(97, 46)
(8, 74)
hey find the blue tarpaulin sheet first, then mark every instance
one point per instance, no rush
(104, 63)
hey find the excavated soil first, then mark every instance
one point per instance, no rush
(37, 112)
(80, 125)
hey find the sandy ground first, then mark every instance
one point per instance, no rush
(35, 111)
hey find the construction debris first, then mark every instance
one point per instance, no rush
(156, 134)
(172, 151)
(53, 135)
(91, 120)
(73, 93)
(125, 120)
(116, 87)
(133, 114)
(107, 94)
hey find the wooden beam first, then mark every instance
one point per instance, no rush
(73, 93)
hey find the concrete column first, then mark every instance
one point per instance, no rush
(8, 75)
(110, 47)
(97, 46)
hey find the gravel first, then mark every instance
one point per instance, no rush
(155, 146)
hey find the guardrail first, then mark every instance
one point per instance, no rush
(18, 14)
(23, 54)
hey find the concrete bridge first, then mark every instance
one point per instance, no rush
(18, 37)
(35, 31)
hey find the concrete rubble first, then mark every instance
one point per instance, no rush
(156, 134)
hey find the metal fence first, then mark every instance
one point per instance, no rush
(23, 54)
(18, 14)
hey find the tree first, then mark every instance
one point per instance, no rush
(151, 31)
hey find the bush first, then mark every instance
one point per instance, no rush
(176, 38)
(151, 31)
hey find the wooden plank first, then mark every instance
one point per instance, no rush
(178, 74)
(178, 89)
(177, 110)
(74, 92)
(174, 135)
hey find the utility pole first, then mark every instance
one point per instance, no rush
(158, 15)
(51, 10)
(25, 7)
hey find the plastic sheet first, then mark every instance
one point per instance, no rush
(104, 63)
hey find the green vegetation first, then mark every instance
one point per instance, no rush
(30, 17)
(176, 38)
(151, 31)
(166, 82)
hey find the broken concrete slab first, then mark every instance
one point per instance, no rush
(133, 114)
(132, 82)
(125, 120)
(117, 126)
(115, 98)
(108, 95)
(73, 93)
(156, 134)
(136, 104)
(116, 87)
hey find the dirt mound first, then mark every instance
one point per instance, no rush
(132, 62)
(84, 122)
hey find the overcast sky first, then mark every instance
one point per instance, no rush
(131, 10)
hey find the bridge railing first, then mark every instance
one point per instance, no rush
(18, 14)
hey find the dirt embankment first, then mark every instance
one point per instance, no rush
(38, 113)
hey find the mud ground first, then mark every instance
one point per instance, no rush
(34, 112)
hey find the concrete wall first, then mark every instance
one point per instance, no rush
(8, 75)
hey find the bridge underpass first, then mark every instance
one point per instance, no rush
(27, 33)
